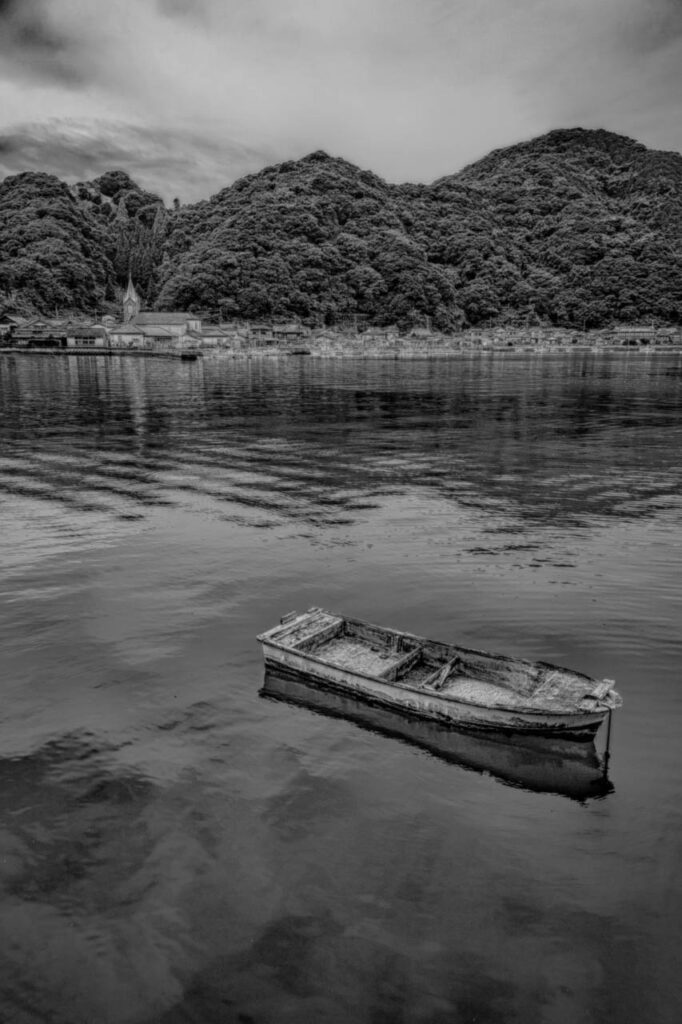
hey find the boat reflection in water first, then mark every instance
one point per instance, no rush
(535, 763)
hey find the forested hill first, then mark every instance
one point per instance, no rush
(577, 227)
(69, 248)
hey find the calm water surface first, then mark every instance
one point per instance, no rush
(176, 847)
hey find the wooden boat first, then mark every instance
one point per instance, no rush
(538, 764)
(441, 681)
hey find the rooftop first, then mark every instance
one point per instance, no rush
(13, 318)
(162, 319)
(130, 291)
(87, 332)
(153, 331)
(124, 329)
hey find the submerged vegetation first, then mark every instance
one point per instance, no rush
(576, 229)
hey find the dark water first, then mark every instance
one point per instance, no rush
(176, 847)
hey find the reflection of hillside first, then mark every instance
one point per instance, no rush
(84, 901)
(545, 439)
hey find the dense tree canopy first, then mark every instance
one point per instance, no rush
(52, 255)
(576, 228)
(134, 223)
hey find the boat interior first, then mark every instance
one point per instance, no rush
(403, 660)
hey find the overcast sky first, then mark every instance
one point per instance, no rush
(187, 95)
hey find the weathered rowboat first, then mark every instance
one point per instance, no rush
(539, 764)
(440, 681)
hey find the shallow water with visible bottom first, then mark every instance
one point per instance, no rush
(178, 846)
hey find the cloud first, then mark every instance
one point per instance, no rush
(167, 162)
(194, 9)
(653, 26)
(412, 89)
(34, 45)
(624, 74)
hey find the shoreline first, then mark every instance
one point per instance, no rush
(389, 345)
(182, 354)
(406, 355)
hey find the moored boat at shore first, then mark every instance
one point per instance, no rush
(444, 682)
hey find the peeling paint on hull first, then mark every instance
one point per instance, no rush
(578, 726)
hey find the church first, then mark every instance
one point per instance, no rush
(152, 330)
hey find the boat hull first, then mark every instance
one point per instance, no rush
(574, 726)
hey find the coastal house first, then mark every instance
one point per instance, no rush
(8, 324)
(260, 331)
(382, 334)
(41, 333)
(86, 336)
(155, 335)
(288, 332)
(237, 335)
(670, 336)
(271, 334)
(176, 324)
(213, 336)
(632, 334)
(125, 336)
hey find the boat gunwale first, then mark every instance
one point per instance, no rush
(599, 707)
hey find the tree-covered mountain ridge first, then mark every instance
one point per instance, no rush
(577, 228)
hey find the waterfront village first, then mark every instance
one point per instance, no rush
(147, 332)
(184, 334)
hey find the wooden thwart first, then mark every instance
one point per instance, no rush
(439, 679)
(399, 667)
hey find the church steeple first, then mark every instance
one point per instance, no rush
(131, 302)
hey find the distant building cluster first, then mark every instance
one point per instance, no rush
(138, 330)
(183, 333)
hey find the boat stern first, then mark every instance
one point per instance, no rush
(604, 697)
